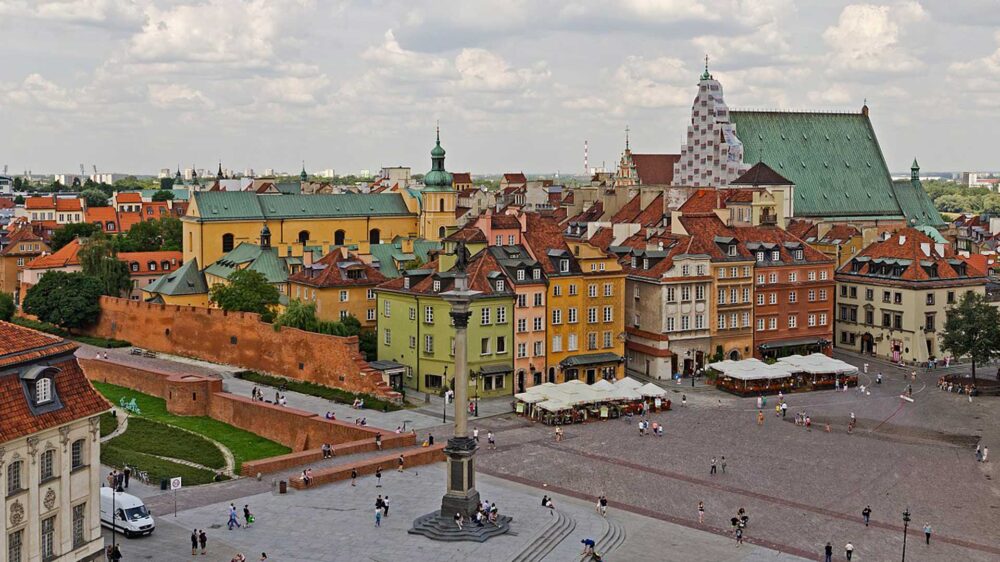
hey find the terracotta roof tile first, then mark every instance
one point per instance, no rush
(468, 233)
(505, 221)
(102, 215)
(655, 169)
(68, 205)
(128, 197)
(777, 237)
(331, 271)
(628, 211)
(126, 220)
(64, 257)
(802, 228)
(761, 174)
(515, 177)
(461, 177)
(40, 202)
(909, 245)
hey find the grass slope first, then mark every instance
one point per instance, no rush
(157, 469)
(154, 438)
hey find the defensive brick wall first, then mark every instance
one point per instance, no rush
(411, 458)
(241, 339)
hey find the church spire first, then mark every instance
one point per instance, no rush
(915, 171)
(706, 75)
(302, 175)
(626, 137)
(220, 175)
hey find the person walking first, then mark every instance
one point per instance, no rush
(784, 409)
(723, 464)
(760, 417)
(866, 513)
(399, 466)
(491, 441)
(203, 541)
(927, 533)
(385, 507)
(233, 518)
(828, 553)
(126, 475)
(247, 516)
(849, 550)
(116, 553)
(378, 477)
(602, 505)
(559, 433)
(684, 399)
(475, 434)
(979, 453)
(458, 520)
(739, 536)
(194, 542)
(378, 517)
(354, 476)
(713, 469)
(701, 512)
(986, 453)
(378, 441)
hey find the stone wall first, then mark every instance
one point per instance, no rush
(411, 458)
(186, 395)
(241, 339)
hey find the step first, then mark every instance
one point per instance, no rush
(443, 528)
(548, 539)
(413, 456)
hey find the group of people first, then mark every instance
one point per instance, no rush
(119, 479)
(653, 428)
(279, 395)
(381, 509)
(969, 390)
(240, 557)
(234, 520)
(485, 513)
(114, 553)
(199, 539)
(982, 453)
(739, 522)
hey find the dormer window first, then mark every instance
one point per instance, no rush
(43, 391)
(500, 285)
(731, 250)
(798, 254)
(520, 275)
(135, 266)
(564, 266)
(760, 256)
(152, 265)
(536, 273)
(775, 255)
(437, 285)
(634, 260)
(645, 263)
(406, 282)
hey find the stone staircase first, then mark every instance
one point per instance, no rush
(443, 528)
(613, 537)
(546, 541)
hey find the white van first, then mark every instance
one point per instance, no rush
(127, 514)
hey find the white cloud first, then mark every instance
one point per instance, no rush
(483, 70)
(652, 83)
(37, 92)
(869, 37)
(177, 96)
(111, 13)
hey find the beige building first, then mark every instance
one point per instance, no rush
(893, 296)
(49, 451)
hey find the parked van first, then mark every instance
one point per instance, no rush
(127, 514)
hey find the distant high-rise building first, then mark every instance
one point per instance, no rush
(365, 174)
(328, 173)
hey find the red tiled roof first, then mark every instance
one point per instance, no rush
(628, 211)
(593, 213)
(330, 274)
(160, 209)
(655, 169)
(842, 232)
(18, 236)
(126, 220)
(68, 205)
(461, 177)
(505, 221)
(460, 211)
(6, 203)
(738, 195)
(63, 257)
(128, 197)
(542, 235)
(703, 201)
(652, 215)
(143, 258)
(909, 244)
(102, 215)
(779, 237)
(16, 340)
(704, 229)
(760, 174)
(467, 233)
(515, 178)
(983, 262)
(672, 244)
(602, 238)
(46, 202)
(802, 228)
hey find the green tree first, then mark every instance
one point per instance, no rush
(368, 344)
(19, 200)
(972, 329)
(132, 183)
(171, 234)
(7, 307)
(163, 195)
(247, 291)
(66, 234)
(94, 197)
(99, 259)
(298, 314)
(154, 235)
(18, 184)
(70, 300)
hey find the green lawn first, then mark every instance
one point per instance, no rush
(244, 445)
(156, 468)
(109, 424)
(154, 438)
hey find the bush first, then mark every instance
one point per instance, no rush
(109, 423)
(318, 390)
(7, 307)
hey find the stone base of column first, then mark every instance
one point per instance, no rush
(438, 527)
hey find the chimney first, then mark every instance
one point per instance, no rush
(307, 258)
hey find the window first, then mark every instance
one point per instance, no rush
(556, 317)
(760, 279)
(746, 271)
(571, 316)
(343, 296)
(772, 298)
(15, 546)
(686, 293)
(591, 341)
(227, 242)
(671, 294)
(501, 315)
(760, 255)
(897, 298)
(571, 344)
(609, 289)
(772, 323)
(897, 321)
(793, 277)
(79, 525)
(685, 322)
(484, 345)
(493, 382)
(811, 320)
(733, 271)
(822, 319)
(522, 350)
(746, 294)
(854, 292)
(413, 342)
(772, 278)
(685, 270)
(428, 343)
(670, 323)
(46, 464)
(485, 315)
(822, 294)
(775, 255)
(760, 324)
(371, 294)
(572, 289)
(609, 313)
(388, 336)
(699, 292)
(822, 275)
(592, 290)
(731, 250)
(563, 266)
(951, 297)
(734, 320)
(501, 285)
(722, 272)
(77, 456)
(930, 298)
(699, 322)
(793, 321)
(843, 290)
(539, 349)
(370, 316)
(557, 290)
(760, 299)
(812, 295)
(722, 321)
(870, 317)
(929, 322)
(869, 294)
(793, 296)
(387, 310)
(886, 320)
(428, 315)
(14, 477)
(522, 325)
(811, 276)
(608, 340)
(722, 296)
(537, 324)
(510, 241)
(48, 546)
(592, 315)
(745, 320)
(701, 270)
(499, 240)
(43, 390)
(556, 344)
(520, 275)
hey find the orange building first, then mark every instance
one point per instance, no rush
(339, 284)
(22, 247)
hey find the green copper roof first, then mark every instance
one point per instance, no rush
(438, 179)
(390, 253)
(834, 160)
(236, 205)
(251, 256)
(917, 207)
(179, 194)
(185, 280)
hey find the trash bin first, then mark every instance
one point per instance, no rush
(164, 483)
(283, 487)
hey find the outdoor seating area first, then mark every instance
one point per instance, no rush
(577, 402)
(788, 374)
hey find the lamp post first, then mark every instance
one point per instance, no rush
(444, 406)
(906, 524)
(475, 404)
(114, 514)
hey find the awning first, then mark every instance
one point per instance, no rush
(590, 359)
(496, 369)
(790, 343)
(387, 366)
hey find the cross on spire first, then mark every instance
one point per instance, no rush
(626, 136)
(706, 75)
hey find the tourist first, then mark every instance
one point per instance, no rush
(927, 533)
(739, 536)
(878, 378)
(354, 476)
(866, 368)
(399, 429)
(378, 476)
(759, 401)
(325, 449)
(979, 453)
(263, 557)
(602, 505)
(550, 506)
(233, 519)
(713, 469)
(588, 546)
(194, 542)
(247, 516)
(203, 541)
(684, 399)
(828, 553)
(282, 401)
(475, 434)
(866, 513)
(385, 507)
(701, 512)
(777, 410)
(458, 520)
(723, 464)
(760, 417)
(378, 441)
(306, 478)
(126, 475)
(116, 553)
(378, 517)
(491, 440)
(849, 550)
(559, 433)
(986, 453)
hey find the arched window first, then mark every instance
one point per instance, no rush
(441, 232)
(78, 451)
(165, 265)
(338, 238)
(43, 390)
(134, 266)
(111, 226)
(46, 464)
(227, 242)
(14, 483)
(375, 236)
(151, 265)
(441, 204)
(303, 236)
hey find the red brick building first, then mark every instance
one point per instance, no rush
(793, 293)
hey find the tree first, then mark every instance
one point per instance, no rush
(94, 197)
(66, 234)
(132, 183)
(247, 291)
(972, 329)
(171, 234)
(18, 184)
(298, 314)
(70, 300)
(19, 200)
(154, 235)
(99, 259)
(7, 307)
(163, 195)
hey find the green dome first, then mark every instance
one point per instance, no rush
(438, 179)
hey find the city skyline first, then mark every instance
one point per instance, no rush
(137, 86)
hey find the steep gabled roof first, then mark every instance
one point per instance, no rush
(332, 271)
(143, 259)
(628, 211)
(760, 174)
(461, 177)
(128, 197)
(66, 256)
(772, 238)
(655, 169)
(710, 234)
(186, 280)
(912, 254)
(515, 177)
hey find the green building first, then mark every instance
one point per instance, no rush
(415, 328)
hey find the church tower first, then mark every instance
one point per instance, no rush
(439, 197)
(713, 155)
(627, 174)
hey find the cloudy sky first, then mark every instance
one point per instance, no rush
(137, 85)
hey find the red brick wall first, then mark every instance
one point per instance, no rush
(414, 457)
(285, 462)
(241, 339)
(186, 395)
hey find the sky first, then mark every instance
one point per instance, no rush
(134, 86)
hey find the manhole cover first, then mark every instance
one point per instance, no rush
(215, 526)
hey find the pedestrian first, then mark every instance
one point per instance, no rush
(475, 434)
(378, 477)
(849, 550)
(723, 464)
(378, 517)
(760, 417)
(378, 441)
(385, 506)
(491, 440)
(866, 368)
(927, 533)
(739, 536)
(986, 453)
(777, 410)
(713, 470)
(126, 475)
(194, 542)
(602, 505)
(550, 506)
(828, 553)
(701, 512)
(684, 399)
(203, 541)
(116, 553)
(784, 409)
(588, 546)
(233, 519)
(759, 401)
(866, 513)
(559, 433)
(263, 557)
(399, 467)
(354, 476)
(458, 520)
(247, 516)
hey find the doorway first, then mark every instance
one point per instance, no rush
(592, 375)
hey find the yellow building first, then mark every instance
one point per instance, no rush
(585, 299)
(438, 197)
(340, 285)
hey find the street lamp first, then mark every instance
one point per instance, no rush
(444, 406)
(906, 524)
(475, 406)
(114, 513)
